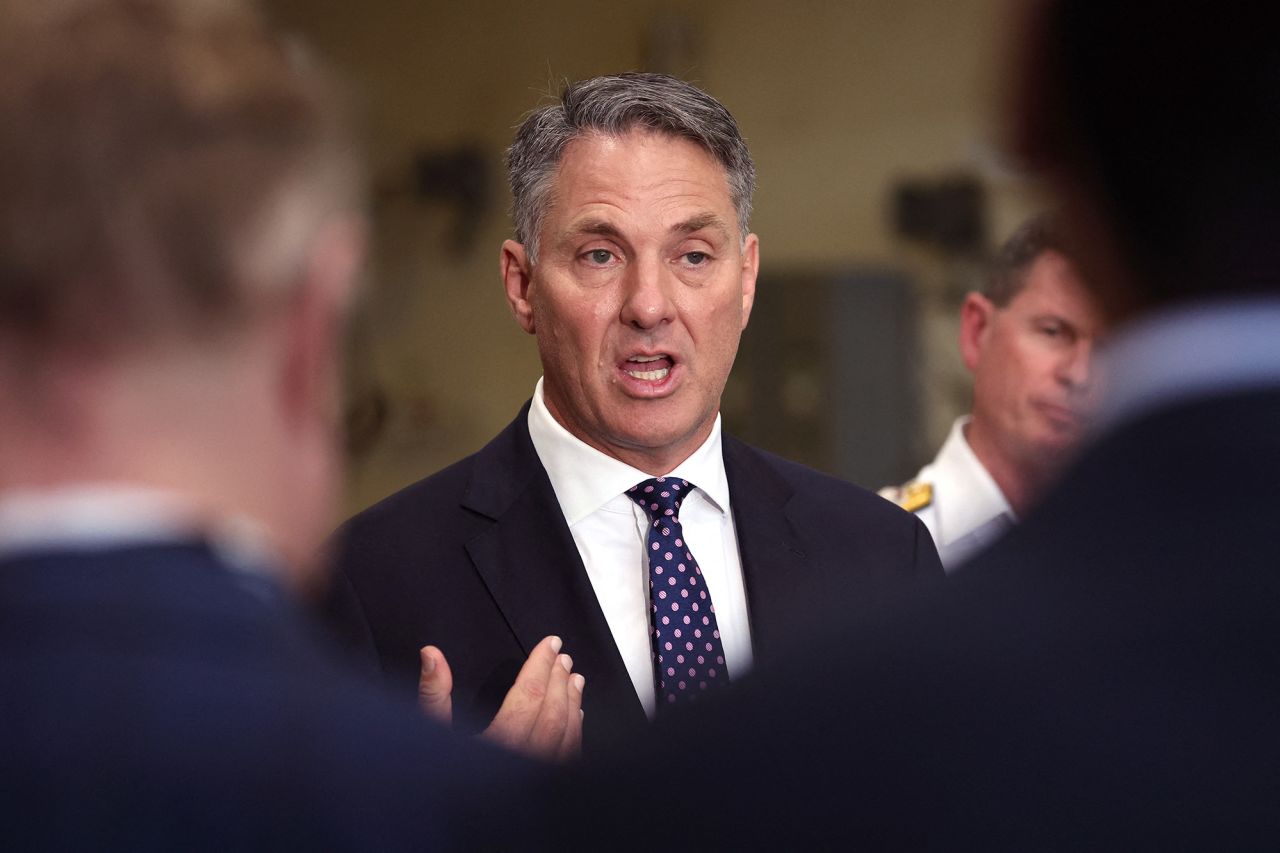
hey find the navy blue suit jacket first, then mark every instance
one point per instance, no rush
(1106, 677)
(153, 698)
(479, 561)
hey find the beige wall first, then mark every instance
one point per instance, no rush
(837, 100)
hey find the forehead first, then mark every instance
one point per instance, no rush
(1052, 285)
(640, 172)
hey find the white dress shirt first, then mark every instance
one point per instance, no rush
(968, 510)
(101, 516)
(610, 531)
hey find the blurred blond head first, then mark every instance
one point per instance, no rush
(179, 233)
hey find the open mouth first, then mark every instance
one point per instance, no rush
(650, 368)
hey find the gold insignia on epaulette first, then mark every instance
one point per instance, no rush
(916, 496)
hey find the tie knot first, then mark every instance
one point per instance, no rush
(660, 496)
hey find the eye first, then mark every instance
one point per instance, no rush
(1057, 331)
(696, 259)
(599, 256)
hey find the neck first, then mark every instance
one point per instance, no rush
(1020, 482)
(657, 462)
(190, 432)
(654, 461)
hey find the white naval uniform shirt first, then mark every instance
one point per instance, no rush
(610, 531)
(968, 510)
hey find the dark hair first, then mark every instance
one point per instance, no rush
(1008, 271)
(615, 105)
(1174, 111)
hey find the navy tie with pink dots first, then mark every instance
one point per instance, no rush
(688, 655)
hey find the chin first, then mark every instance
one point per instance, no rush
(635, 436)
(1058, 447)
(659, 426)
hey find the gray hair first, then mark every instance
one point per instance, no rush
(616, 105)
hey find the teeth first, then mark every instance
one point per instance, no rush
(650, 375)
(644, 358)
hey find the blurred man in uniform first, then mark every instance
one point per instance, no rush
(180, 228)
(613, 511)
(1028, 340)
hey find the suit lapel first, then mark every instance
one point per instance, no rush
(531, 566)
(775, 565)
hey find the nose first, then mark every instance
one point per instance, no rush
(1074, 370)
(647, 295)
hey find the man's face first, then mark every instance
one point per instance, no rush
(1031, 362)
(639, 296)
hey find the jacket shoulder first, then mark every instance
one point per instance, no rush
(839, 522)
(426, 503)
(807, 484)
(438, 492)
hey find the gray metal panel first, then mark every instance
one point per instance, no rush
(825, 374)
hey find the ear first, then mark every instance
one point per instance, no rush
(750, 270)
(315, 322)
(976, 315)
(517, 277)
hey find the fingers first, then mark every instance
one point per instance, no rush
(435, 685)
(515, 719)
(541, 715)
(571, 743)
(547, 734)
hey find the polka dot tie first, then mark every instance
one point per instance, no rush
(688, 655)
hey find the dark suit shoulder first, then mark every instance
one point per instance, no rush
(382, 557)
(432, 494)
(480, 485)
(394, 555)
(407, 573)
(821, 492)
(836, 522)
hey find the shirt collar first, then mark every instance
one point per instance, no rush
(1186, 352)
(584, 479)
(96, 516)
(964, 474)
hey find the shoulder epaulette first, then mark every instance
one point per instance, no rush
(912, 497)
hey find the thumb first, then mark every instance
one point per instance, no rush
(435, 685)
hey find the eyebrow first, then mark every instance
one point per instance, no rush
(605, 228)
(601, 227)
(701, 221)
(1055, 318)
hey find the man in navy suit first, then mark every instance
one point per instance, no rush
(634, 266)
(1107, 676)
(179, 232)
